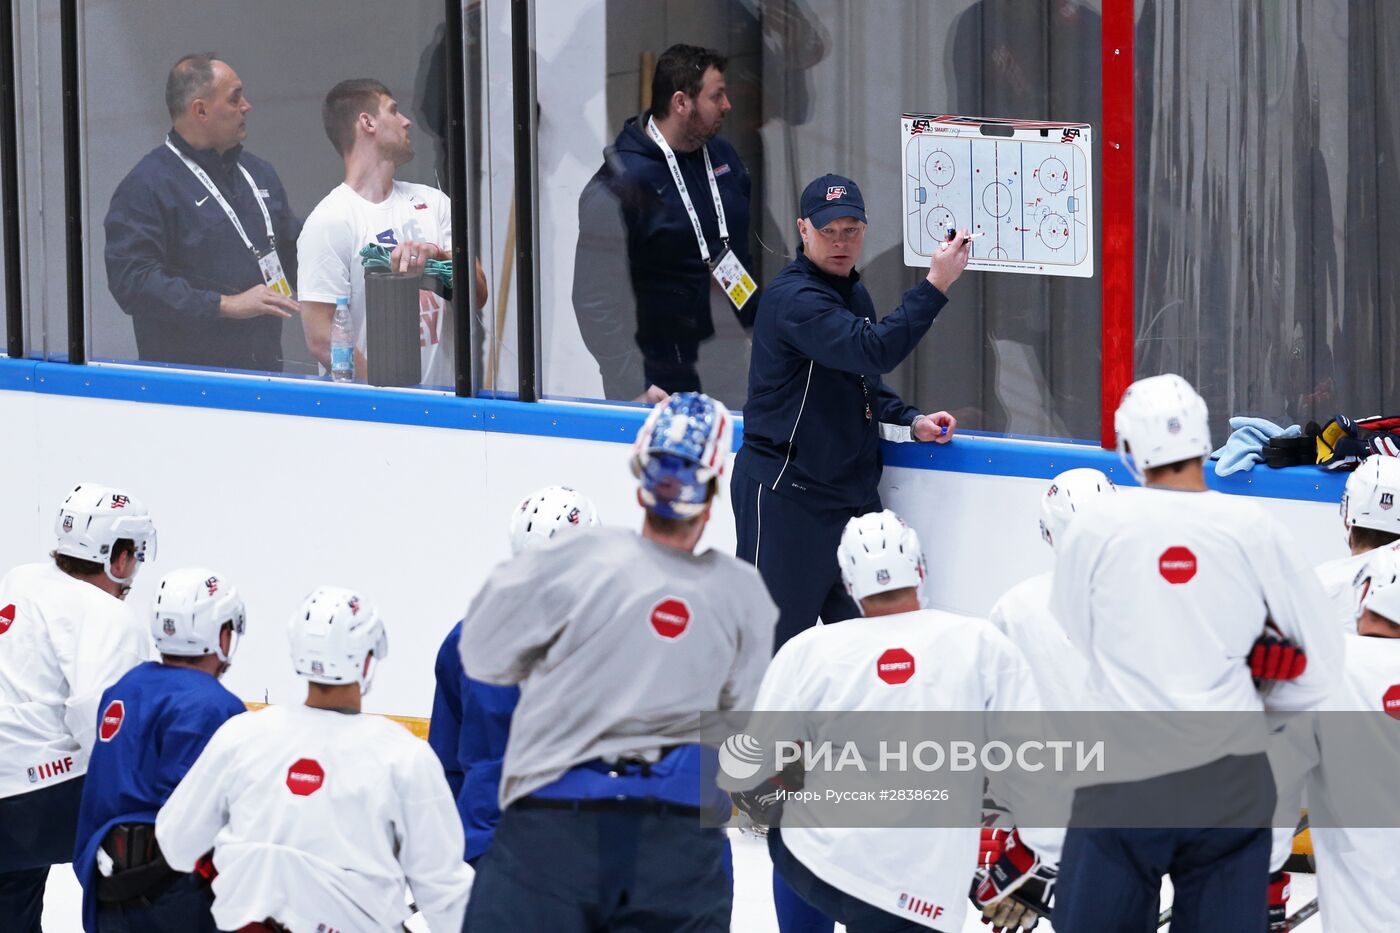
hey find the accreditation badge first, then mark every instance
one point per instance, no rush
(273, 276)
(734, 279)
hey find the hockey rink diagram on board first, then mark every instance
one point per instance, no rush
(1026, 185)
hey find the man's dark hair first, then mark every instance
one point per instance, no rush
(343, 106)
(681, 68)
(77, 567)
(1371, 538)
(188, 78)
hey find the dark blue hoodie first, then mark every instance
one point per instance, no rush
(818, 355)
(670, 281)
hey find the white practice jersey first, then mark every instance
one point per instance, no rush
(1358, 869)
(620, 645)
(1023, 615)
(317, 819)
(1165, 593)
(958, 663)
(1338, 578)
(328, 259)
(62, 642)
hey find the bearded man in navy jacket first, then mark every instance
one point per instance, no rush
(201, 242)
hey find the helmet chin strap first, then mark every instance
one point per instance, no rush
(123, 582)
(1128, 461)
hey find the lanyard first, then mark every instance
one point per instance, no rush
(219, 199)
(685, 195)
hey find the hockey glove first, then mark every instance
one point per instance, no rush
(1278, 902)
(1275, 657)
(764, 804)
(1011, 886)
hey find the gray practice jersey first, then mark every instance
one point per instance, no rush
(620, 645)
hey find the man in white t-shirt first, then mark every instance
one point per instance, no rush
(364, 124)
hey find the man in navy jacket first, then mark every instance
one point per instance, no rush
(818, 409)
(201, 289)
(633, 207)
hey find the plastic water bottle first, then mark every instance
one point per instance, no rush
(342, 342)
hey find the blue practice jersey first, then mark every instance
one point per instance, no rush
(151, 726)
(469, 730)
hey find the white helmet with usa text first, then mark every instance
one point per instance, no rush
(879, 553)
(337, 638)
(190, 610)
(550, 513)
(1068, 493)
(93, 518)
(1161, 420)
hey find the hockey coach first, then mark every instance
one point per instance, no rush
(818, 408)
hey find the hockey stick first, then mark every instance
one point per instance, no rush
(1164, 918)
(1304, 912)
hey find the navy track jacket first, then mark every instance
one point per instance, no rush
(818, 355)
(171, 252)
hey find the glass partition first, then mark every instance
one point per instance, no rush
(811, 87)
(1266, 204)
(247, 176)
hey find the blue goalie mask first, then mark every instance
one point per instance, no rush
(684, 444)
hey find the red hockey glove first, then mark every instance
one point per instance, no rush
(1011, 887)
(1278, 902)
(1275, 657)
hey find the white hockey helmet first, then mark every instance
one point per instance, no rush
(1369, 500)
(337, 638)
(684, 444)
(191, 608)
(94, 518)
(1378, 585)
(1161, 420)
(879, 553)
(547, 513)
(1068, 492)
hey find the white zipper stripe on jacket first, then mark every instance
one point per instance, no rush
(800, 409)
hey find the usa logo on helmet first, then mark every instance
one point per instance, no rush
(835, 191)
(354, 605)
(119, 501)
(212, 585)
(574, 516)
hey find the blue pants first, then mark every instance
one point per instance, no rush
(1111, 877)
(570, 871)
(858, 915)
(184, 907)
(794, 549)
(36, 831)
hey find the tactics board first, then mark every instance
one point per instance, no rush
(1027, 184)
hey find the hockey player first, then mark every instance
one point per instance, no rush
(471, 720)
(1371, 520)
(1357, 757)
(153, 724)
(622, 643)
(1165, 593)
(898, 658)
(318, 816)
(1023, 612)
(65, 636)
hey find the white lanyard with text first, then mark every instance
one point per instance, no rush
(222, 202)
(685, 194)
(727, 270)
(268, 262)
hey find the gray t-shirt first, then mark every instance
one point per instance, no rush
(620, 646)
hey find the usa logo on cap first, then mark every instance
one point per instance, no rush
(835, 191)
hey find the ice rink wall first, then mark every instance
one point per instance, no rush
(285, 485)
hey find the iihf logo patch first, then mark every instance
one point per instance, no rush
(882, 576)
(33, 776)
(317, 667)
(67, 523)
(1173, 426)
(168, 627)
(1387, 500)
(835, 192)
(903, 898)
